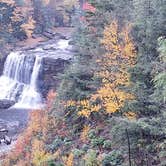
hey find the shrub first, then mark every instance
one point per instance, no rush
(107, 144)
(114, 158)
(92, 134)
(55, 144)
(91, 158)
(78, 152)
(97, 142)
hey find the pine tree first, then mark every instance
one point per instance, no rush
(159, 96)
(148, 26)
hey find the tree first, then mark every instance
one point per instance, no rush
(149, 25)
(113, 72)
(113, 68)
(29, 27)
(10, 21)
(159, 96)
(79, 77)
(53, 13)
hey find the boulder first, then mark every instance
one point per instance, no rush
(5, 104)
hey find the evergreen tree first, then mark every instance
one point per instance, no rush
(148, 26)
(159, 96)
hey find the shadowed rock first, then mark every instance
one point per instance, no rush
(5, 104)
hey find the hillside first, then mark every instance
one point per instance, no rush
(108, 108)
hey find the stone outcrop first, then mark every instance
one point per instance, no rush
(5, 104)
(3, 56)
(49, 77)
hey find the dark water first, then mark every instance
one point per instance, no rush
(14, 120)
(20, 115)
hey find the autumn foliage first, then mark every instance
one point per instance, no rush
(110, 105)
(120, 55)
(109, 98)
(113, 71)
(30, 146)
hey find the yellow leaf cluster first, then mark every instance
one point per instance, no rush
(29, 27)
(111, 39)
(69, 161)
(130, 115)
(84, 133)
(84, 107)
(70, 103)
(120, 55)
(84, 112)
(39, 155)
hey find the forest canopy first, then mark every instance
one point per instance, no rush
(109, 108)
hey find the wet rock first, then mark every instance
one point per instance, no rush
(50, 47)
(48, 35)
(7, 140)
(5, 104)
(3, 56)
(72, 49)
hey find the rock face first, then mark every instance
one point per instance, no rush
(5, 104)
(49, 77)
(2, 61)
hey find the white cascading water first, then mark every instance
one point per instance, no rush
(21, 70)
(19, 80)
(30, 97)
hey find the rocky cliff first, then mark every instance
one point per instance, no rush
(49, 78)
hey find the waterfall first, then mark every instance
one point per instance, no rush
(19, 80)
